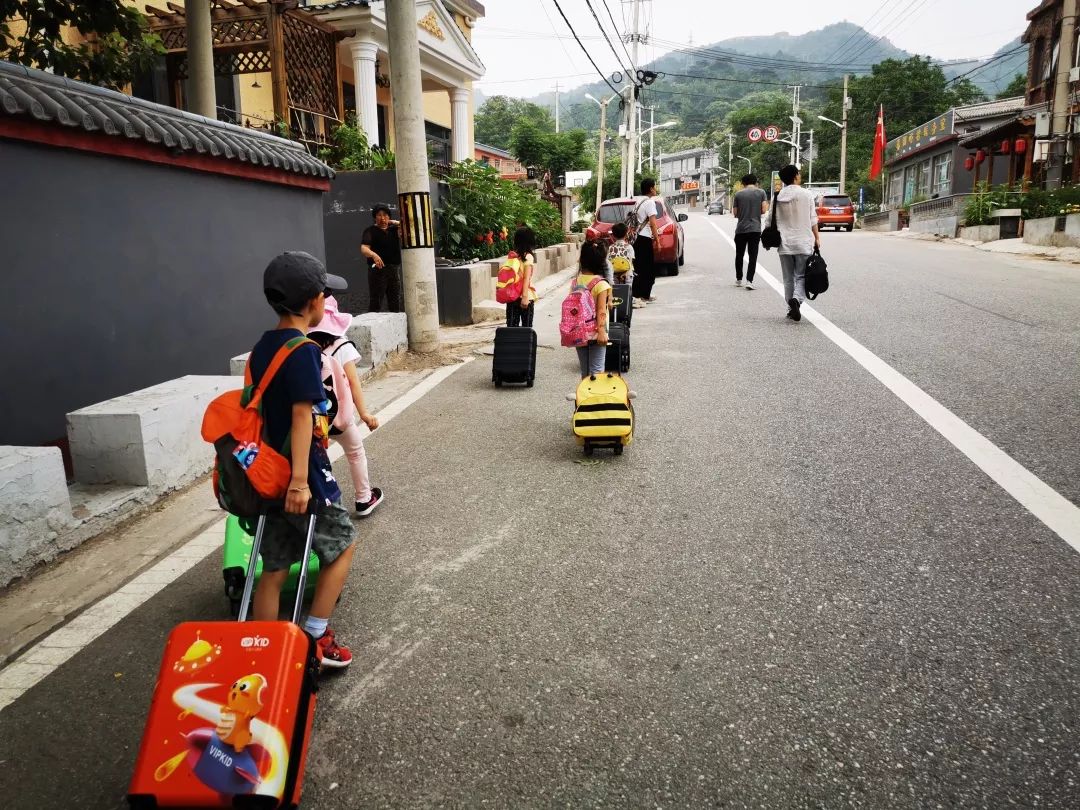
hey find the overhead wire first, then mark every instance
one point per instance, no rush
(861, 32)
(618, 33)
(618, 59)
(582, 46)
(917, 4)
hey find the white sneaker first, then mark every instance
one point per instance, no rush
(738, 282)
(749, 285)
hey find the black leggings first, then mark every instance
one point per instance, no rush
(644, 267)
(746, 243)
(517, 315)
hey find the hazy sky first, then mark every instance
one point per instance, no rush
(526, 45)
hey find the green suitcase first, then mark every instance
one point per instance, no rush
(237, 552)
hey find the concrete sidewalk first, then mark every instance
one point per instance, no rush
(1015, 247)
(57, 592)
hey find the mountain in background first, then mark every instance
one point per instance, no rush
(709, 80)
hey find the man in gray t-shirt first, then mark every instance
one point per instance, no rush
(749, 206)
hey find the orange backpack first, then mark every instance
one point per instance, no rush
(510, 281)
(247, 469)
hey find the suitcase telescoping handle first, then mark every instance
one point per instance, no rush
(301, 581)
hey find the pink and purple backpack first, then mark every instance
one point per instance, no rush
(578, 324)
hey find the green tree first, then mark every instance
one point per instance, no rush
(116, 45)
(558, 152)
(497, 117)
(1017, 87)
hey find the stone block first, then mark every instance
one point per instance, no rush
(147, 438)
(981, 233)
(238, 364)
(378, 335)
(34, 507)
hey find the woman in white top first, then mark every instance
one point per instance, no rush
(796, 219)
(645, 246)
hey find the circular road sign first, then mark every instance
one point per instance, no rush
(772, 132)
(755, 134)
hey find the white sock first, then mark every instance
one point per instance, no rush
(316, 628)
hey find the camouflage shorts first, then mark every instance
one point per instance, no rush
(284, 535)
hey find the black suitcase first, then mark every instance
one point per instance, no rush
(618, 349)
(515, 355)
(622, 304)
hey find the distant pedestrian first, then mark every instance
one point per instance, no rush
(520, 312)
(646, 245)
(342, 382)
(750, 203)
(796, 218)
(620, 257)
(590, 281)
(381, 246)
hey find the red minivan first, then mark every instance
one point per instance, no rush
(835, 211)
(670, 229)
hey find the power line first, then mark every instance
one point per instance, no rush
(584, 50)
(618, 59)
(745, 81)
(862, 32)
(619, 34)
(918, 4)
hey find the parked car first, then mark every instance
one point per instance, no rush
(836, 211)
(715, 207)
(669, 227)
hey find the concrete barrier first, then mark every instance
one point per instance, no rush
(238, 364)
(378, 335)
(981, 233)
(147, 438)
(34, 508)
(1060, 231)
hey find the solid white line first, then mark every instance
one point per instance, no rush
(51, 652)
(1057, 512)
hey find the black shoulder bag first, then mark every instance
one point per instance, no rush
(770, 237)
(817, 275)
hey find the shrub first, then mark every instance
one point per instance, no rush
(482, 211)
(349, 150)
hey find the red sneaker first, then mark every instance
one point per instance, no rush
(331, 654)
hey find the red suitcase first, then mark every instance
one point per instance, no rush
(231, 715)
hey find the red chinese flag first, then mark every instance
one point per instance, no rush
(879, 145)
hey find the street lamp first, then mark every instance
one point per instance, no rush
(603, 138)
(642, 134)
(843, 146)
(749, 165)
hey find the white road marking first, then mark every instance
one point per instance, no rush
(1057, 512)
(51, 652)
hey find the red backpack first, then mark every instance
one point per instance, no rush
(247, 469)
(509, 282)
(578, 323)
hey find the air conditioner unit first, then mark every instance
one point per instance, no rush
(1074, 74)
(1042, 125)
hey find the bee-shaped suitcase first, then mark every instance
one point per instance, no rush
(603, 415)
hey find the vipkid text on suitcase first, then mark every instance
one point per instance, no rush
(232, 706)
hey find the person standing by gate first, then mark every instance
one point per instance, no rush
(750, 203)
(645, 246)
(381, 246)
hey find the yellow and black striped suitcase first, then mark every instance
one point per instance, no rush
(603, 415)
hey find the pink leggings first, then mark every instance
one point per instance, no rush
(352, 442)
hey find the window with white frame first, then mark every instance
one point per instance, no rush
(941, 175)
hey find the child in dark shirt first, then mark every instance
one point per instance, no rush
(294, 414)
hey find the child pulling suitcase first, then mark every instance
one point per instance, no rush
(230, 720)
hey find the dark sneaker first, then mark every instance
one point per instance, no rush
(331, 654)
(793, 310)
(365, 508)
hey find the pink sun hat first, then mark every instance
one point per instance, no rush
(334, 322)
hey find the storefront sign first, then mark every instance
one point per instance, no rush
(920, 137)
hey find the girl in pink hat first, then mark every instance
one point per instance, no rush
(342, 385)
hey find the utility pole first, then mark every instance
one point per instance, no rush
(413, 183)
(202, 97)
(845, 104)
(811, 159)
(630, 148)
(600, 166)
(1060, 131)
(796, 125)
(730, 185)
(556, 106)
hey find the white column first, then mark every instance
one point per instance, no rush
(459, 124)
(364, 53)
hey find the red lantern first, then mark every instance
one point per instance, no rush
(980, 156)
(1006, 147)
(969, 163)
(1021, 146)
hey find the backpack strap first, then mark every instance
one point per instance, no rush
(593, 283)
(341, 344)
(275, 365)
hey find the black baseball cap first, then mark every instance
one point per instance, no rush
(293, 278)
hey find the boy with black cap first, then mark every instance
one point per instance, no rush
(294, 411)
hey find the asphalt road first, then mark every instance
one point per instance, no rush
(789, 592)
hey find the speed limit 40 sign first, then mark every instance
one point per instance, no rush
(755, 134)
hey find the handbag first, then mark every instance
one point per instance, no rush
(817, 275)
(770, 237)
